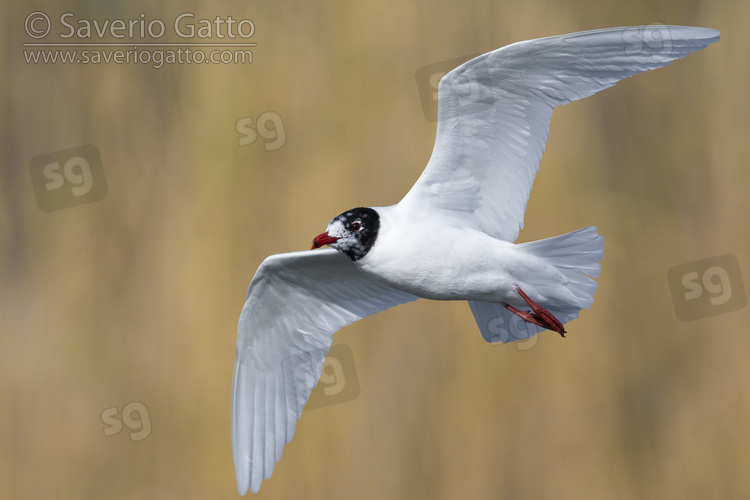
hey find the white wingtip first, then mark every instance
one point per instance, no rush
(241, 462)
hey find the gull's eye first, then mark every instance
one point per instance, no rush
(356, 226)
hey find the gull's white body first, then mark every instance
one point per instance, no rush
(451, 236)
(439, 262)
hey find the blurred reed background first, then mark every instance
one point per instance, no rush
(135, 298)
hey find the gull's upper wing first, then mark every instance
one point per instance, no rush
(295, 303)
(494, 114)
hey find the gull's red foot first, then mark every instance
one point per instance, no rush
(540, 316)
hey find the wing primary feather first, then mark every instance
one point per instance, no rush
(257, 464)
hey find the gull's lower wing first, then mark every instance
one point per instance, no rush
(295, 303)
(494, 113)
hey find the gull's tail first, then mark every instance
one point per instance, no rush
(575, 256)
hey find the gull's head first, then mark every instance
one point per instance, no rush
(352, 233)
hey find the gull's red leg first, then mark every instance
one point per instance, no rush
(540, 316)
(527, 316)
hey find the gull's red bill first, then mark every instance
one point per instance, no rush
(323, 239)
